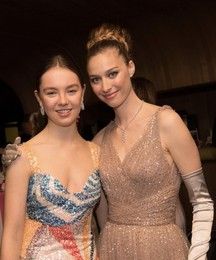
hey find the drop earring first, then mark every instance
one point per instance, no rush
(82, 106)
(42, 110)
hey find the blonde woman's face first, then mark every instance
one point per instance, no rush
(109, 76)
(60, 94)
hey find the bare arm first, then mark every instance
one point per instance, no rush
(102, 208)
(17, 177)
(184, 153)
(179, 142)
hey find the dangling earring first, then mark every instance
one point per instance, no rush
(42, 110)
(82, 105)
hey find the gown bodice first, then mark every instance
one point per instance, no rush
(58, 222)
(142, 191)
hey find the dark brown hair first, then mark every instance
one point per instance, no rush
(62, 61)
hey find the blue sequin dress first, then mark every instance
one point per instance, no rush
(58, 223)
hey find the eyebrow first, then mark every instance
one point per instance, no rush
(106, 72)
(53, 88)
(109, 70)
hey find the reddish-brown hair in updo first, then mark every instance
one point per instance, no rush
(109, 36)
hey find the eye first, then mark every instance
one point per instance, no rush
(51, 93)
(72, 91)
(112, 74)
(94, 80)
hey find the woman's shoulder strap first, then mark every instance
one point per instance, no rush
(32, 159)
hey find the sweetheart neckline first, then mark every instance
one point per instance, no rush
(94, 172)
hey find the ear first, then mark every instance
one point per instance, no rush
(131, 68)
(37, 97)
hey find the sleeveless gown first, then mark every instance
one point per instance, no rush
(142, 192)
(58, 223)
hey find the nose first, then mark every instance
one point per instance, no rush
(63, 100)
(106, 85)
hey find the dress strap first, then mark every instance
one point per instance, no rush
(33, 162)
(153, 119)
(164, 107)
(95, 153)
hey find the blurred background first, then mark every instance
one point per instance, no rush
(174, 48)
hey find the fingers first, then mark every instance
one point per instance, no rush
(9, 156)
(11, 152)
(17, 140)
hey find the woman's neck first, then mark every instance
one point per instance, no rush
(61, 135)
(128, 109)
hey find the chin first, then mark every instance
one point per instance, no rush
(114, 103)
(64, 123)
(65, 126)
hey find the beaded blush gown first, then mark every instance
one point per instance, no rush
(58, 222)
(142, 192)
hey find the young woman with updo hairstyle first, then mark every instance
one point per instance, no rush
(145, 151)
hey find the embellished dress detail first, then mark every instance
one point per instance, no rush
(58, 223)
(142, 192)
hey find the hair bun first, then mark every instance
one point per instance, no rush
(109, 32)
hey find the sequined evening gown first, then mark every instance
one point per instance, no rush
(58, 223)
(142, 192)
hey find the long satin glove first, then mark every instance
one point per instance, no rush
(11, 152)
(203, 213)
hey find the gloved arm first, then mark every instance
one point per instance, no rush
(11, 152)
(203, 212)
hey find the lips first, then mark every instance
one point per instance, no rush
(64, 112)
(110, 95)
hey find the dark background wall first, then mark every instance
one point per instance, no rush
(174, 47)
(174, 44)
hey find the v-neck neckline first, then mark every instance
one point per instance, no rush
(136, 143)
(65, 188)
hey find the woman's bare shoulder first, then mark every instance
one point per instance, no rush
(98, 138)
(169, 118)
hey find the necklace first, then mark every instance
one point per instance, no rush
(123, 130)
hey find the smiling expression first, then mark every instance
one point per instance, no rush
(110, 76)
(60, 95)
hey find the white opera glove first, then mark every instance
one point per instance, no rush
(203, 213)
(11, 152)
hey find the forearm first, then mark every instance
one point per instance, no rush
(12, 236)
(10, 247)
(203, 211)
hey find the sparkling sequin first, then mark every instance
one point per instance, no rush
(58, 223)
(142, 193)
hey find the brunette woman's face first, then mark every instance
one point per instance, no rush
(109, 76)
(60, 94)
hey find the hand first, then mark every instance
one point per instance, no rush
(11, 152)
